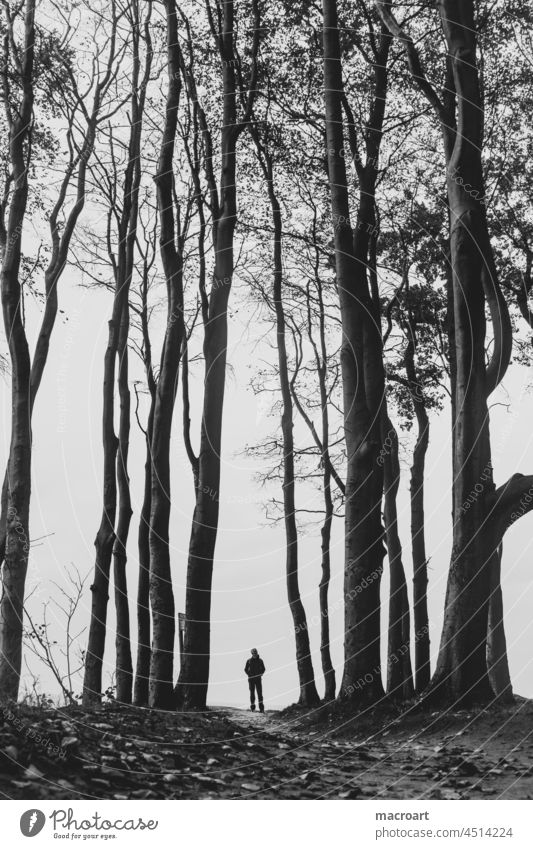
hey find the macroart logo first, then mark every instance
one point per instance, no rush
(32, 822)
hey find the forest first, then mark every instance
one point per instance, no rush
(331, 203)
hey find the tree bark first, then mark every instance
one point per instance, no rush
(497, 662)
(323, 591)
(418, 533)
(461, 673)
(110, 540)
(124, 667)
(308, 691)
(17, 543)
(142, 669)
(161, 594)
(363, 384)
(191, 689)
(399, 672)
(105, 537)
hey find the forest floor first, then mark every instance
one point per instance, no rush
(131, 753)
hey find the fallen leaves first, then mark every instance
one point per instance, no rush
(127, 753)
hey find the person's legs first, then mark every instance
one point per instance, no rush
(251, 684)
(259, 686)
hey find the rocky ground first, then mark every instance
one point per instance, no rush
(129, 753)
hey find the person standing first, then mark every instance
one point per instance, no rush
(254, 669)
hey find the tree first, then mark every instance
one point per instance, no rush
(194, 673)
(113, 531)
(142, 668)
(411, 247)
(28, 98)
(173, 224)
(481, 512)
(308, 691)
(362, 363)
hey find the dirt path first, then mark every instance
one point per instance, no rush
(127, 753)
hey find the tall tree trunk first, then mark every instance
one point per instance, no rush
(497, 662)
(418, 533)
(92, 681)
(110, 542)
(191, 689)
(461, 674)
(127, 240)
(124, 667)
(363, 382)
(399, 672)
(323, 590)
(17, 543)
(322, 369)
(329, 473)
(161, 594)
(308, 691)
(142, 669)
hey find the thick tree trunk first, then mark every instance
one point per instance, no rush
(461, 673)
(399, 672)
(363, 382)
(497, 662)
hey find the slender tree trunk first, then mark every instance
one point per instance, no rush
(329, 473)
(92, 682)
(418, 538)
(497, 662)
(142, 669)
(399, 673)
(127, 240)
(19, 491)
(194, 674)
(323, 590)
(461, 673)
(17, 541)
(161, 594)
(124, 667)
(191, 689)
(308, 692)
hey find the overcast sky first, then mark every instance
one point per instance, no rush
(249, 599)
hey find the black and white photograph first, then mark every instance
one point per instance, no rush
(266, 398)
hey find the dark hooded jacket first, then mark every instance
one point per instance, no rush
(254, 667)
